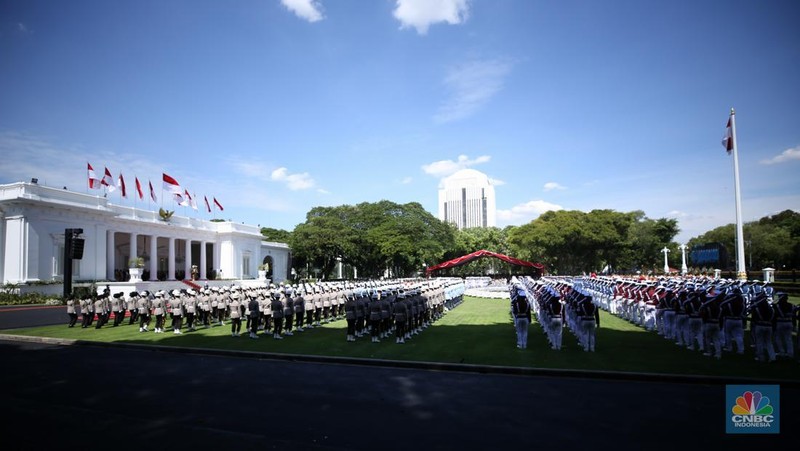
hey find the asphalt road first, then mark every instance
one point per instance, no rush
(18, 316)
(78, 396)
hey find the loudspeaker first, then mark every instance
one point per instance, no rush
(76, 250)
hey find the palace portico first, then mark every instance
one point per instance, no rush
(33, 219)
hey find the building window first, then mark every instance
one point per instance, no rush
(246, 266)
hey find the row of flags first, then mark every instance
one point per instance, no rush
(179, 195)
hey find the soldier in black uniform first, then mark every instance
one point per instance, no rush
(252, 306)
(288, 312)
(400, 312)
(350, 316)
(361, 312)
(375, 318)
(710, 314)
(277, 315)
(783, 325)
(299, 310)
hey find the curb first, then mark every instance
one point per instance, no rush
(418, 365)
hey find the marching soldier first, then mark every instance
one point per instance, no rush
(101, 310)
(375, 318)
(190, 304)
(783, 325)
(732, 311)
(710, 314)
(277, 315)
(400, 312)
(71, 312)
(521, 310)
(361, 312)
(143, 306)
(350, 316)
(176, 305)
(235, 315)
(158, 311)
(254, 314)
(762, 316)
(288, 311)
(130, 305)
(299, 309)
(87, 312)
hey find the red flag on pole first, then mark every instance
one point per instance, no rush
(171, 186)
(108, 181)
(208, 207)
(218, 204)
(121, 186)
(152, 191)
(94, 182)
(139, 189)
(727, 139)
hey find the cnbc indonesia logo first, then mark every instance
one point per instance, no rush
(752, 411)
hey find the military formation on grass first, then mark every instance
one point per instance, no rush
(378, 309)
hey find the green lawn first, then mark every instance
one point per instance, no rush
(477, 332)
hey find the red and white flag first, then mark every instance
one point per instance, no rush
(193, 202)
(727, 139)
(94, 182)
(208, 207)
(121, 186)
(108, 181)
(219, 205)
(171, 186)
(139, 189)
(188, 201)
(152, 191)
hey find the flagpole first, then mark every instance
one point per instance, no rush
(741, 273)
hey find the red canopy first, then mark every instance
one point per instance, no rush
(483, 253)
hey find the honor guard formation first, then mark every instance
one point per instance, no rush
(375, 309)
(700, 313)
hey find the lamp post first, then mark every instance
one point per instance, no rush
(684, 268)
(666, 263)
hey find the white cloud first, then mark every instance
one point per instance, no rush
(293, 181)
(310, 10)
(406, 181)
(526, 212)
(471, 86)
(786, 155)
(421, 14)
(550, 186)
(323, 191)
(443, 168)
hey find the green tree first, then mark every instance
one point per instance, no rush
(276, 235)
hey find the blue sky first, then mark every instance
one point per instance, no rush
(275, 107)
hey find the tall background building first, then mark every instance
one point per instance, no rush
(466, 199)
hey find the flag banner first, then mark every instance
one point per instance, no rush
(94, 182)
(192, 202)
(187, 199)
(152, 191)
(108, 181)
(121, 186)
(727, 139)
(216, 202)
(139, 189)
(171, 186)
(208, 207)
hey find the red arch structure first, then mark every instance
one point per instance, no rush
(480, 254)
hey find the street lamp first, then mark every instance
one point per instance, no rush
(666, 263)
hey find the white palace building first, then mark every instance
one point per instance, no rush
(33, 220)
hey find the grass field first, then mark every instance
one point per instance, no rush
(479, 331)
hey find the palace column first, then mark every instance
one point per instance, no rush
(187, 266)
(110, 256)
(153, 258)
(203, 257)
(171, 259)
(134, 245)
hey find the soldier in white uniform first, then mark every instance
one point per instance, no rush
(176, 305)
(71, 311)
(143, 307)
(159, 309)
(235, 315)
(190, 305)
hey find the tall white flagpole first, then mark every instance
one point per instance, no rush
(741, 273)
